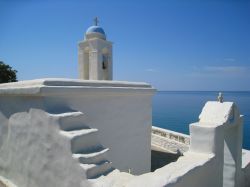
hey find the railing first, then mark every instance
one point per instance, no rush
(169, 140)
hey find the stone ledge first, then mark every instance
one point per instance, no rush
(59, 86)
(74, 82)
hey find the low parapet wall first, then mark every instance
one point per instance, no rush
(190, 170)
(169, 141)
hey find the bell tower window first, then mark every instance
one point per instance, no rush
(104, 62)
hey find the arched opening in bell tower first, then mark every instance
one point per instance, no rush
(105, 64)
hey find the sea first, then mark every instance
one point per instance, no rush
(175, 110)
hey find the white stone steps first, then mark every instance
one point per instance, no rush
(70, 120)
(96, 170)
(91, 158)
(85, 145)
(83, 139)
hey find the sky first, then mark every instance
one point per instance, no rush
(171, 44)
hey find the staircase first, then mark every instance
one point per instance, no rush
(85, 147)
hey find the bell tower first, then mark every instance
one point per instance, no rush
(95, 55)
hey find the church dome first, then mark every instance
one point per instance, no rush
(97, 29)
(95, 32)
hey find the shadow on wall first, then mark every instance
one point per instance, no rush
(160, 159)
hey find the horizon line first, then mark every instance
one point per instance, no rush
(203, 90)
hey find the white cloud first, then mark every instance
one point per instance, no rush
(225, 69)
(151, 70)
(229, 59)
(221, 70)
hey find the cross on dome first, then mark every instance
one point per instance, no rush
(96, 21)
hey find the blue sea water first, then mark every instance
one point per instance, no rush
(175, 110)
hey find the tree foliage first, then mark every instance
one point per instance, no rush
(7, 74)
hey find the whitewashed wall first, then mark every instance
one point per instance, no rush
(34, 154)
(203, 164)
(121, 111)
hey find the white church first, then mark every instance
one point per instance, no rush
(96, 132)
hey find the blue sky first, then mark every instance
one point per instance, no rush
(172, 44)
